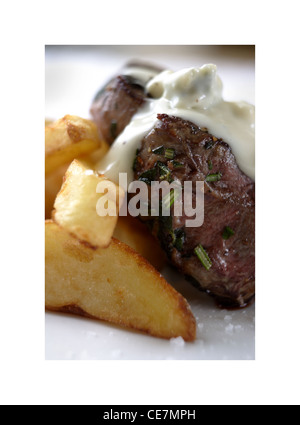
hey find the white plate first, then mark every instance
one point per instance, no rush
(73, 76)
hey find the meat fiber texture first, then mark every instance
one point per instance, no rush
(228, 202)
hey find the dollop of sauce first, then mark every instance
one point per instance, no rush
(193, 94)
(141, 73)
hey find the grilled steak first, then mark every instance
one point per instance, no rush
(228, 232)
(116, 103)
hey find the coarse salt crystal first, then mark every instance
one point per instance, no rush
(177, 342)
(229, 328)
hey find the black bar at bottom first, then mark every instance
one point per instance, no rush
(128, 413)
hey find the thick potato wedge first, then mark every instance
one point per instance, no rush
(93, 158)
(114, 284)
(54, 180)
(53, 183)
(69, 138)
(135, 234)
(76, 205)
(48, 121)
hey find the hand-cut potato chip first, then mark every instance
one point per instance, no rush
(53, 182)
(82, 203)
(48, 121)
(54, 179)
(68, 138)
(92, 159)
(114, 284)
(135, 234)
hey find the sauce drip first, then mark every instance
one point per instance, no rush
(193, 94)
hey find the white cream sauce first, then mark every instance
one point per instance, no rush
(193, 94)
(140, 73)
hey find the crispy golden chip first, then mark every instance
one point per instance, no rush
(136, 235)
(92, 159)
(54, 179)
(53, 183)
(82, 199)
(114, 284)
(68, 138)
(48, 121)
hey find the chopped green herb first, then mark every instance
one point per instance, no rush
(171, 237)
(210, 165)
(169, 199)
(135, 162)
(164, 171)
(170, 153)
(113, 129)
(213, 177)
(134, 166)
(160, 170)
(179, 239)
(177, 164)
(159, 151)
(166, 223)
(203, 257)
(209, 144)
(227, 233)
(148, 176)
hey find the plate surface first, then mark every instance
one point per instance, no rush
(73, 76)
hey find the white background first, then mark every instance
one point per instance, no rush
(26, 378)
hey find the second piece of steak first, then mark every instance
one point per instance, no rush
(228, 232)
(115, 105)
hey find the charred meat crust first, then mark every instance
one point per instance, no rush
(115, 105)
(229, 202)
(229, 196)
